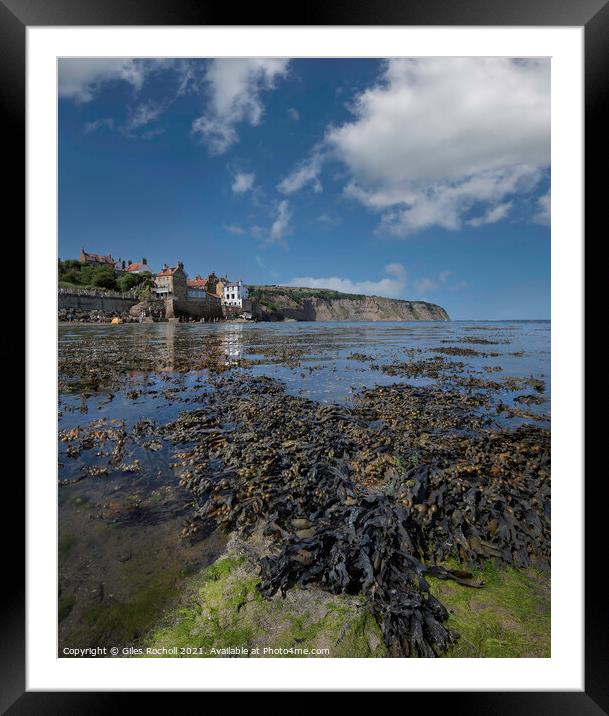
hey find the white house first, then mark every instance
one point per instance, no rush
(234, 293)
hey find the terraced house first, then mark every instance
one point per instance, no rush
(137, 267)
(184, 297)
(99, 260)
(171, 282)
(234, 294)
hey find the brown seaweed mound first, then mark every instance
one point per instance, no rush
(371, 497)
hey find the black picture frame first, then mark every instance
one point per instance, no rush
(593, 15)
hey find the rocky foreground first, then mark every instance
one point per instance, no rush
(276, 303)
(409, 520)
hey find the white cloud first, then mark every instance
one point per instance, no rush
(328, 220)
(406, 210)
(273, 235)
(492, 215)
(392, 286)
(542, 216)
(188, 76)
(426, 284)
(264, 267)
(234, 229)
(423, 285)
(293, 114)
(80, 78)
(281, 225)
(307, 172)
(437, 137)
(242, 182)
(258, 232)
(143, 115)
(104, 123)
(235, 86)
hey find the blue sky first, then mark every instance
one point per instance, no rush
(418, 179)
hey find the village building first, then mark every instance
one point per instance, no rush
(196, 282)
(215, 285)
(97, 260)
(184, 297)
(171, 282)
(197, 288)
(234, 294)
(138, 267)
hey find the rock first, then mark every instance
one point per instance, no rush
(144, 307)
(373, 641)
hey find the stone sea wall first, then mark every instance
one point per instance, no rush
(90, 301)
(208, 309)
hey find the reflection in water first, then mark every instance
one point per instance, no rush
(232, 341)
(224, 345)
(313, 359)
(170, 345)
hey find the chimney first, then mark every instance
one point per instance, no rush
(181, 264)
(145, 262)
(129, 261)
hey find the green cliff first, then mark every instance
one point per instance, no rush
(314, 304)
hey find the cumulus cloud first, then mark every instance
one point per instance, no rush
(442, 281)
(235, 87)
(328, 220)
(492, 215)
(264, 267)
(391, 286)
(281, 225)
(293, 114)
(426, 284)
(307, 172)
(103, 123)
(144, 114)
(436, 138)
(445, 275)
(542, 215)
(242, 182)
(80, 78)
(234, 229)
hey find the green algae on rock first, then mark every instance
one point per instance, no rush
(222, 613)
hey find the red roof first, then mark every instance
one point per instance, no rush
(136, 267)
(196, 282)
(169, 271)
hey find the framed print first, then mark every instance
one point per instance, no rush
(304, 348)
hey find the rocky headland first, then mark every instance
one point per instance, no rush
(276, 303)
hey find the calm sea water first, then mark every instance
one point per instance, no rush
(319, 368)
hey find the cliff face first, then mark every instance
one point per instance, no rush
(275, 303)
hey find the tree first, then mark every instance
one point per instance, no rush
(71, 276)
(104, 277)
(127, 281)
(86, 274)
